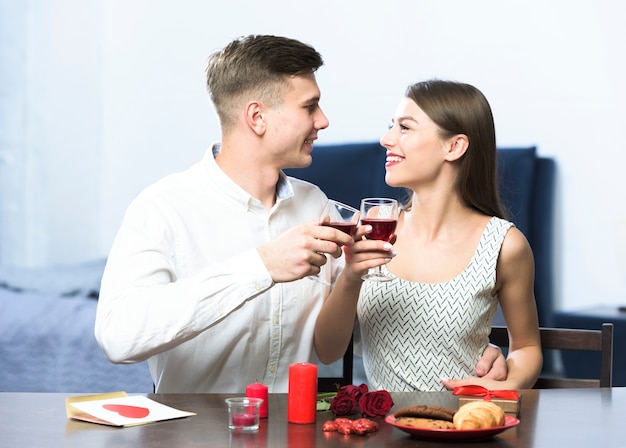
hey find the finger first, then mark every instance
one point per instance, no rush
(499, 370)
(374, 246)
(361, 231)
(483, 366)
(317, 260)
(359, 264)
(487, 360)
(330, 234)
(492, 364)
(324, 247)
(367, 254)
(452, 383)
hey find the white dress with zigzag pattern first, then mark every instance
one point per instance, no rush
(413, 334)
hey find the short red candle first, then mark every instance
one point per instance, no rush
(258, 390)
(244, 419)
(302, 393)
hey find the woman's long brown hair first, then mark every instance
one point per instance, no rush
(459, 108)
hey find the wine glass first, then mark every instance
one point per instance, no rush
(341, 217)
(382, 215)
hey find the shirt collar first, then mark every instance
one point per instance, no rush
(284, 188)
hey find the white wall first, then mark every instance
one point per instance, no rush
(110, 96)
(50, 131)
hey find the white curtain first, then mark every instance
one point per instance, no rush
(49, 124)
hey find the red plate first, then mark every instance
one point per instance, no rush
(455, 434)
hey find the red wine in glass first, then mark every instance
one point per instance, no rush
(382, 229)
(346, 227)
(382, 215)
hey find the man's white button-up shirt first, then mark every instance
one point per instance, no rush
(185, 288)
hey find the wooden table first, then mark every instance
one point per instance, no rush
(549, 418)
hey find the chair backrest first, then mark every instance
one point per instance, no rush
(570, 339)
(332, 384)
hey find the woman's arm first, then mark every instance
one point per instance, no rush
(335, 322)
(515, 283)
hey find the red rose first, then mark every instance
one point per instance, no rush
(354, 391)
(364, 388)
(377, 403)
(343, 404)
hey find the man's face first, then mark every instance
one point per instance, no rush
(294, 124)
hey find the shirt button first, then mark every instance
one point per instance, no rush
(276, 320)
(272, 369)
(257, 286)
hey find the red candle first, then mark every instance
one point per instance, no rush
(258, 390)
(244, 419)
(302, 397)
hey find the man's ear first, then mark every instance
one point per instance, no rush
(457, 147)
(255, 118)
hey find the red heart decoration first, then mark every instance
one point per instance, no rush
(127, 411)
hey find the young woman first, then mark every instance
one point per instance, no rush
(455, 257)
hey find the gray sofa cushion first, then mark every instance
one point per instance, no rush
(47, 344)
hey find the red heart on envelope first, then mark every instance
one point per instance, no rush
(127, 411)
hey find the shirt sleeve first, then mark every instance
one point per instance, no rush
(145, 309)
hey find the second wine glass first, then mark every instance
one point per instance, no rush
(341, 217)
(382, 215)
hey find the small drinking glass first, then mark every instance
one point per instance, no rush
(382, 215)
(243, 413)
(341, 217)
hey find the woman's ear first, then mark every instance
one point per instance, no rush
(255, 118)
(458, 147)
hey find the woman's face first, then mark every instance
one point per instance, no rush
(415, 150)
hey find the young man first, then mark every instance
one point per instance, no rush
(206, 277)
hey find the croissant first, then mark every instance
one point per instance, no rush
(478, 414)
